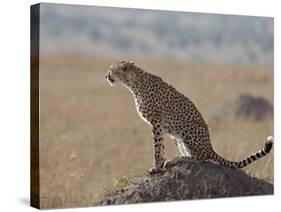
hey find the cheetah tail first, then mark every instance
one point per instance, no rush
(250, 159)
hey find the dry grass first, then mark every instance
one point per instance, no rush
(91, 135)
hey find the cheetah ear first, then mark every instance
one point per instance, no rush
(125, 65)
(128, 65)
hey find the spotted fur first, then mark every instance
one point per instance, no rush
(170, 112)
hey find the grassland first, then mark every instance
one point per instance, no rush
(91, 136)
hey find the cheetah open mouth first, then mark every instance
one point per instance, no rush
(110, 80)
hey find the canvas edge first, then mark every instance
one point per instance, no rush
(34, 106)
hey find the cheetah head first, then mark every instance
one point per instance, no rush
(120, 72)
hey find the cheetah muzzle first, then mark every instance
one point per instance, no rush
(170, 112)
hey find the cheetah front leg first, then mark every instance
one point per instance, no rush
(158, 149)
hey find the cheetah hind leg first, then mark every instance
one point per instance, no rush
(184, 158)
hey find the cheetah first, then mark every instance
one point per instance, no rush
(170, 112)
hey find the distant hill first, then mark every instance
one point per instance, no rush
(196, 36)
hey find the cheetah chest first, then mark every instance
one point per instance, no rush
(142, 113)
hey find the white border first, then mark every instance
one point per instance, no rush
(14, 93)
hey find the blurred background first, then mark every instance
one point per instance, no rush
(91, 138)
(196, 36)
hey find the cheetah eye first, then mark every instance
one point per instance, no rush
(124, 68)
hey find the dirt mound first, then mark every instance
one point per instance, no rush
(189, 180)
(245, 106)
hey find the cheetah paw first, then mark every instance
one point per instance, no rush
(155, 170)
